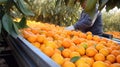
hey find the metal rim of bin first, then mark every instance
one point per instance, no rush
(31, 56)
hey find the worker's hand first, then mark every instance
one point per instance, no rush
(70, 28)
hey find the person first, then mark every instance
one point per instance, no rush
(85, 23)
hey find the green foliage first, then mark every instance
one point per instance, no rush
(66, 12)
(2, 1)
(22, 7)
(112, 3)
(90, 6)
(22, 23)
(7, 25)
(74, 59)
(58, 12)
(111, 21)
(102, 3)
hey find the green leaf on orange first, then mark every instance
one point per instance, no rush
(61, 48)
(75, 58)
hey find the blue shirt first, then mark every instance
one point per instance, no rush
(84, 24)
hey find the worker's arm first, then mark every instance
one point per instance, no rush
(84, 22)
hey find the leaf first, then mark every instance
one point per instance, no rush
(7, 23)
(90, 5)
(9, 26)
(92, 13)
(61, 48)
(102, 3)
(3, 1)
(0, 26)
(15, 28)
(85, 45)
(75, 58)
(20, 4)
(111, 4)
(27, 2)
(23, 23)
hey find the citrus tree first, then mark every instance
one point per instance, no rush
(56, 11)
(91, 5)
(7, 25)
(66, 12)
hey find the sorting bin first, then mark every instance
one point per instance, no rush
(28, 55)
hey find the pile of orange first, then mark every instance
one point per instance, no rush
(116, 34)
(72, 48)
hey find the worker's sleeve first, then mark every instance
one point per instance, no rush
(83, 23)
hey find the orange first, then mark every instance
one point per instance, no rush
(99, 57)
(27, 29)
(26, 34)
(58, 58)
(83, 65)
(75, 33)
(73, 47)
(84, 44)
(107, 62)
(51, 44)
(66, 59)
(32, 38)
(35, 30)
(41, 38)
(99, 46)
(118, 58)
(115, 52)
(50, 34)
(89, 33)
(76, 40)
(57, 51)
(104, 40)
(89, 37)
(113, 47)
(96, 38)
(48, 51)
(83, 35)
(73, 54)
(90, 61)
(104, 51)
(111, 58)
(68, 64)
(87, 60)
(42, 46)
(99, 64)
(66, 53)
(91, 51)
(58, 42)
(37, 44)
(115, 65)
(49, 38)
(109, 49)
(91, 43)
(66, 43)
(81, 50)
